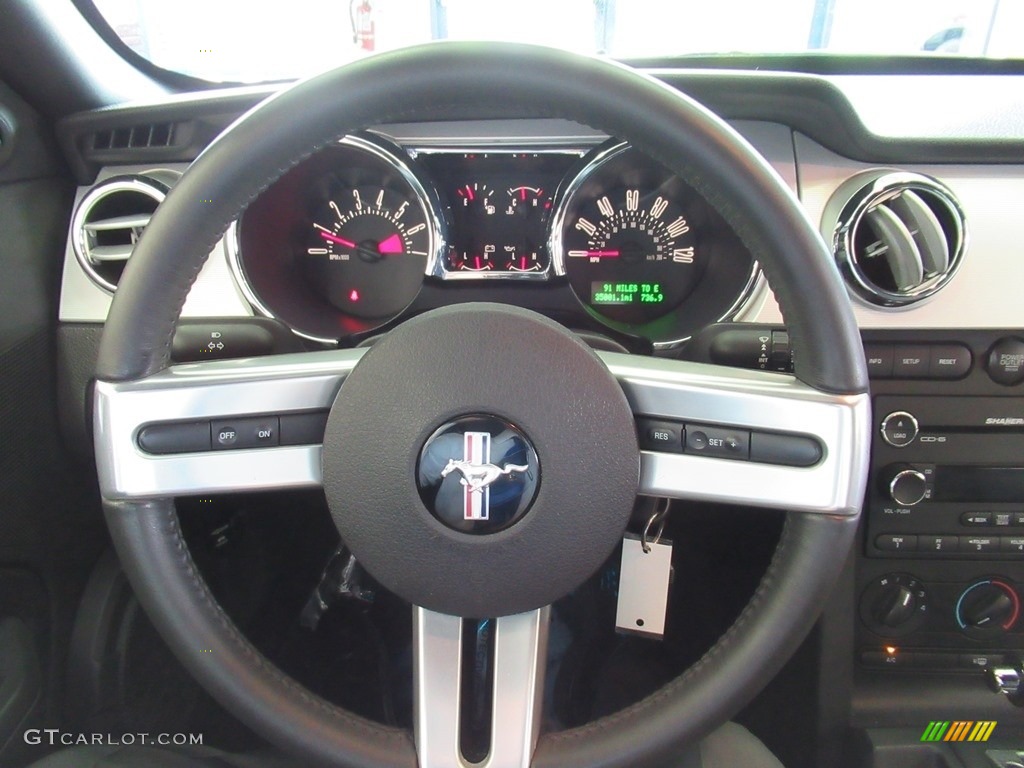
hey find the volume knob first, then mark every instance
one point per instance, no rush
(906, 486)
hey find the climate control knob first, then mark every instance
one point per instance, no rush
(987, 607)
(905, 485)
(893, 605)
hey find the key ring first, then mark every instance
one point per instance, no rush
(658, 517)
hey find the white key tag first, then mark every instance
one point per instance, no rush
(644, 582)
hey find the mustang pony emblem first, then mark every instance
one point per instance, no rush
(477, 474)
(477, 477)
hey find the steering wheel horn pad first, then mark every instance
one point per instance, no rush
(481, 359)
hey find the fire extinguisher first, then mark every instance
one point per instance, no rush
(363, 27)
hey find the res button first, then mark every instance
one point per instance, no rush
(657, 435)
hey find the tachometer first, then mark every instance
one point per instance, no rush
(643, 251)
(340, 243)
(368, 250)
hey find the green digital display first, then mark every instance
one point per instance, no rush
(605, 294)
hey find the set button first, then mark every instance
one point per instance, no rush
(728, 443)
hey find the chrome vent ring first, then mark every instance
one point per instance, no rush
(897, 237)
(108, 222)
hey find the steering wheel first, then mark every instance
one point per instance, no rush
(389, 405)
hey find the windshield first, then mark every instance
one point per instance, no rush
(222, 40)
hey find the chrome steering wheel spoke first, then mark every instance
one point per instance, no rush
(756, 402)
(210, 392)
(520, 658)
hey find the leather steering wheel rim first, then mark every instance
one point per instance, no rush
(463, 80)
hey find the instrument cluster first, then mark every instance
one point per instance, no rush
(365, 233)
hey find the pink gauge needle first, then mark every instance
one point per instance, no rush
(338, 240)
(392, 244)
(603, 254)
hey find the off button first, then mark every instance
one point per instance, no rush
(250, 432)
(899, 429)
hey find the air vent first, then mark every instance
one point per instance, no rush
(109, 221)
(898, 237)
(143, 136)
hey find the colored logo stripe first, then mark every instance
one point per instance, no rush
(959, 730)
(982, 730)
(476, 449)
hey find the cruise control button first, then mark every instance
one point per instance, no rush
(718, 442)
(175, 438)
(949, 361)
(225, 435)
(303, 428)
(911, 362)
(248, 432)
(657, 435)
(788, 450)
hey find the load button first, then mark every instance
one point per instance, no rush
(899, 429)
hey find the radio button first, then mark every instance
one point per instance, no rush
(949, 361)
(976, 518)
(937, 545)
(899, 429)
(1018, 518)
(979, 545)
(911, 362)
(1002, 519)
(1012, 544)
(896, 542)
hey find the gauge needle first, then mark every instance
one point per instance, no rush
(392, 244)
(595, 254)
(338, 240)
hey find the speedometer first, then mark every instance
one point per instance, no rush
(632, 253)
(644, 251)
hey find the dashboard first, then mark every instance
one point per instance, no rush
(562, 219)
(344, 242)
